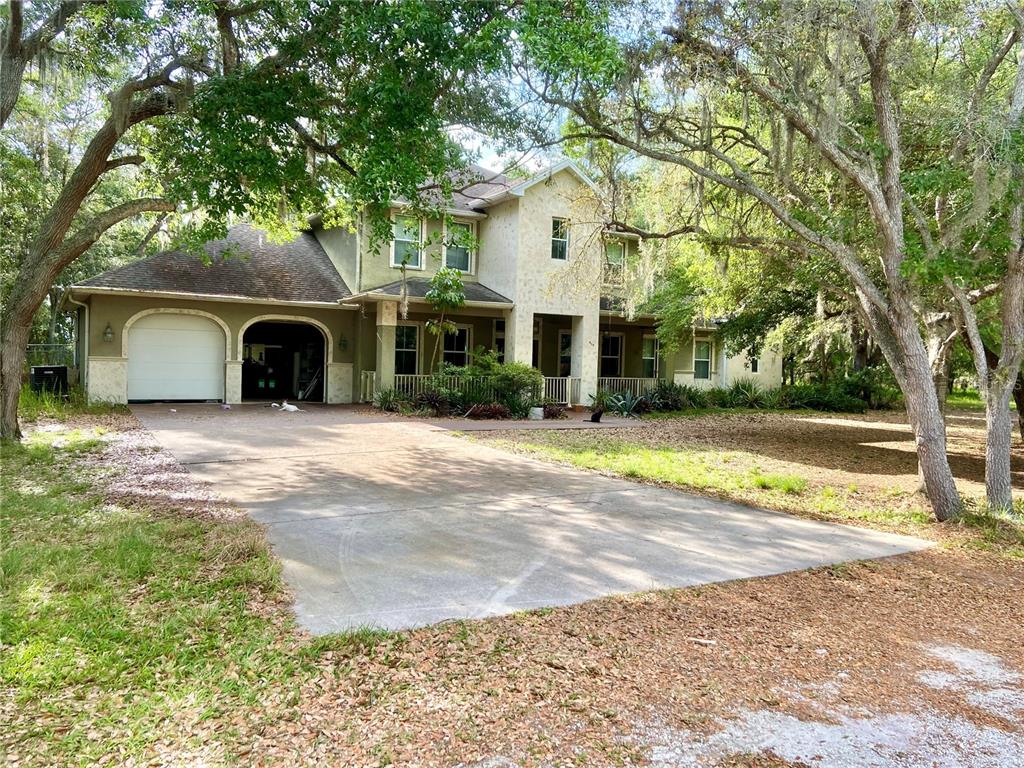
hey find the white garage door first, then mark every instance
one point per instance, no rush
(175, 357)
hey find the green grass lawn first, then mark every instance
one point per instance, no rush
(969, 400)
(121, 627)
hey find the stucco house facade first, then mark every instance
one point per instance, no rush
(329, 316)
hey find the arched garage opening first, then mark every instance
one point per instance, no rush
(283, 359)
(175, 356)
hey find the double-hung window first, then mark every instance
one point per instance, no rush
(611, 355)
(649, 357)
(615, 254)
(456, 347)
(702, 360)
(458, 251)
(559, 239)
(406, 349)
(499, 340)
(755, 365)
(405, 243)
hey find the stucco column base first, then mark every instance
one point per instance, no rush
(233, 381)
(108, 379)
(339, 382)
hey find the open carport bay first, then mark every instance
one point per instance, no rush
(395, 524)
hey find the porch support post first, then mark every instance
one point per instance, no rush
(723, 361)
(585, 353)
(387, 319)
(519, 336)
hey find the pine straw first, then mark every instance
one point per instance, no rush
(572, 684)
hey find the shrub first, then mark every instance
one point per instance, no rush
(628, 404)
(518, 403)
(744, 393)
(434, 402)
(518, 379)
(489, 411)
(820, 397)
(554, 411)
(390, 399)
(601, 400)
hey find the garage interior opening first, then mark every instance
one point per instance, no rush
(283, 360)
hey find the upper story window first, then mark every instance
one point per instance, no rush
(458, 251)
(615, 254)
(559, 239)
(405, 243)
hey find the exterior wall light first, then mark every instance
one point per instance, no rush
(108, 334)
(343, 342)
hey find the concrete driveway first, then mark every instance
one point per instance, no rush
(396, 523)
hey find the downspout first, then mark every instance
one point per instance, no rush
(723, 372)
(359, 254)
(83, 365)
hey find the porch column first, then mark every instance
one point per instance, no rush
(585, 353)
(387, 319)
(519, 336)
(723, 362)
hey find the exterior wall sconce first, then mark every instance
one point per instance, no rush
(343, 342)
(108, 334)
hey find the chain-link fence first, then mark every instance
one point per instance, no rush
(50, 354)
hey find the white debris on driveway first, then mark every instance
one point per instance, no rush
(843, 737)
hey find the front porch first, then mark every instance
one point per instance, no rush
(576, 355)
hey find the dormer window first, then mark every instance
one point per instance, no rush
(405, 243)
(458, 251)
(559, 239)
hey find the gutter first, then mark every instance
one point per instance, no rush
(103, 291)
(83, 365)
(373, 296)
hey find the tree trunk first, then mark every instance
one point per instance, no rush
(897, 335)
(998, 437)
(12, 352)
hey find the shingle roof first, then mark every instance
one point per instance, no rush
(418, 287)
(472, 186)
(299, 270)
(475, 184)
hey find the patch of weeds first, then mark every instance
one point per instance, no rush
(790, 484)
(33, 405)
(354, 642)
(993, 530)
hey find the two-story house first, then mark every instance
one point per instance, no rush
(329, 316)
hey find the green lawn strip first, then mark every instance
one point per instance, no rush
(969, 400)
(121, 628)
(735, 475)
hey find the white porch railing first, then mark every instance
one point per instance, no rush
(367, 386)
(635, 386)
(564, 390)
